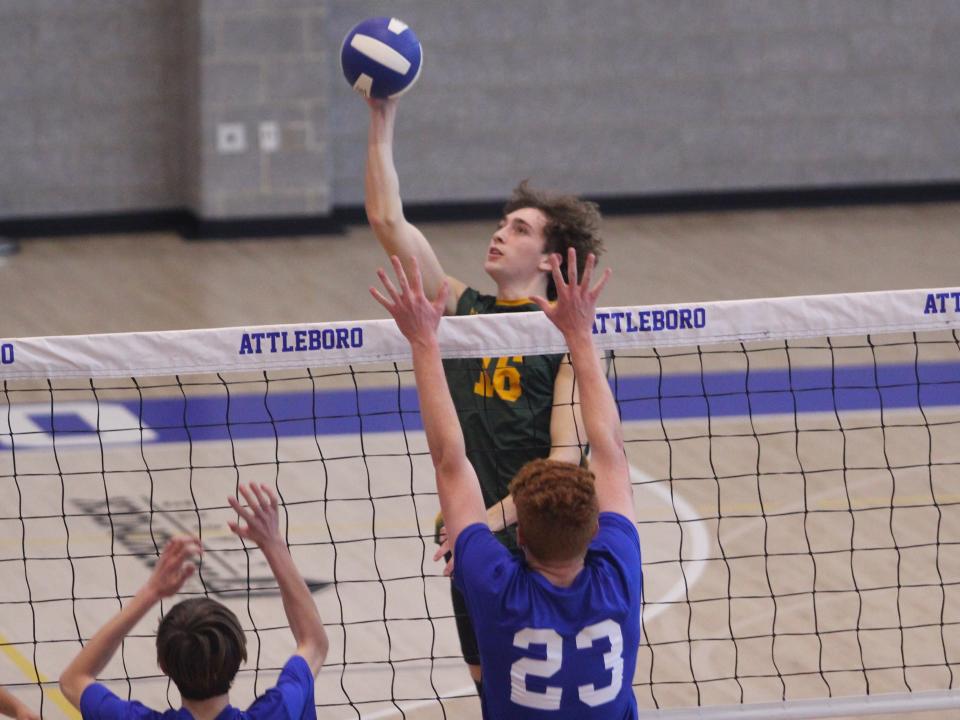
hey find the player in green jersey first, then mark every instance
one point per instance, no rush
(511, 409)
(505, 407)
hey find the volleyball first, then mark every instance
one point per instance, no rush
(381, 57)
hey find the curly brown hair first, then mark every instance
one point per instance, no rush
(200, 646)
(571, 222)
(557, 508)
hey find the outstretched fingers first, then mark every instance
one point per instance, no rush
(186, 570)
(182, 545)
(409, 286)
(402, 275)
(542, 303)
(558, 279)
(379, 297)
(243, 512)
(415, 281)
(263, 501)
(595, 292)
(572, 272)
(388, 284)
(270, 495)
(175, 565)
(258, 520)
(253, 501)
(588, 266)
(440, 301)
(575, 305)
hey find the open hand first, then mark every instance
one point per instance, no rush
(175, 565)
(576, 302)
(416, 315)
(262, 515)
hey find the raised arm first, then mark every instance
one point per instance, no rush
(262, 518)
(566, 422)
(573, 314)
(417, 317)
(385, 208)
(171, 571)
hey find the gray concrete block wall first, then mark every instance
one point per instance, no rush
(260, 62)
(113, 105)
(658, 96)
(87, 89)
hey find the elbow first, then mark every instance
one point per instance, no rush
(314, 650)
(64, 683)
(323, 646)
(612, 448)
(69, 687)
(448, 464)
(321, 642)
(383, 223)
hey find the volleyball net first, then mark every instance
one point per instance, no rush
(796, 470)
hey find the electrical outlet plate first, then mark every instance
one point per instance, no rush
(231, 138)
(269, 137)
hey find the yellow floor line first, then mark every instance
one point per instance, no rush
(26, 667)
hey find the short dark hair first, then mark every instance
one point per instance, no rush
(557, 508)
(200, 646)
(571, 222)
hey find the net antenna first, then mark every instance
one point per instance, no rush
(795, 465)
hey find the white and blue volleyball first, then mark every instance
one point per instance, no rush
(381, 57)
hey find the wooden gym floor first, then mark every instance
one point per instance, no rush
(154, 282)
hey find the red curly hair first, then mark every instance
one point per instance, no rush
(557, 508)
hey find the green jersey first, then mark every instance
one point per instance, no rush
(504, 404)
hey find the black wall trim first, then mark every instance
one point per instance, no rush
(191, 227)
(71, 225)
(183, 222)
(194, 228)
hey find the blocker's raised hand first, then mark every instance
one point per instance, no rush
(417, 316)
(576, 302)
(175, 565)
(262, 515)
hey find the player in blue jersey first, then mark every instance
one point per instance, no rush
(559, 626)
(200, 644)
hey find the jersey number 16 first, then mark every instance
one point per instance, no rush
(505, 381)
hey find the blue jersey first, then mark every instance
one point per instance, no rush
(552, 652)
(290, 699)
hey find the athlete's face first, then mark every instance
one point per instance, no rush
(516, 250)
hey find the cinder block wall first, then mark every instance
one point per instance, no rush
(627, 97)
(115, 105)
(263, 62)
(90, 92)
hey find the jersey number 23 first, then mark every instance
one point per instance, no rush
(549, 699)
